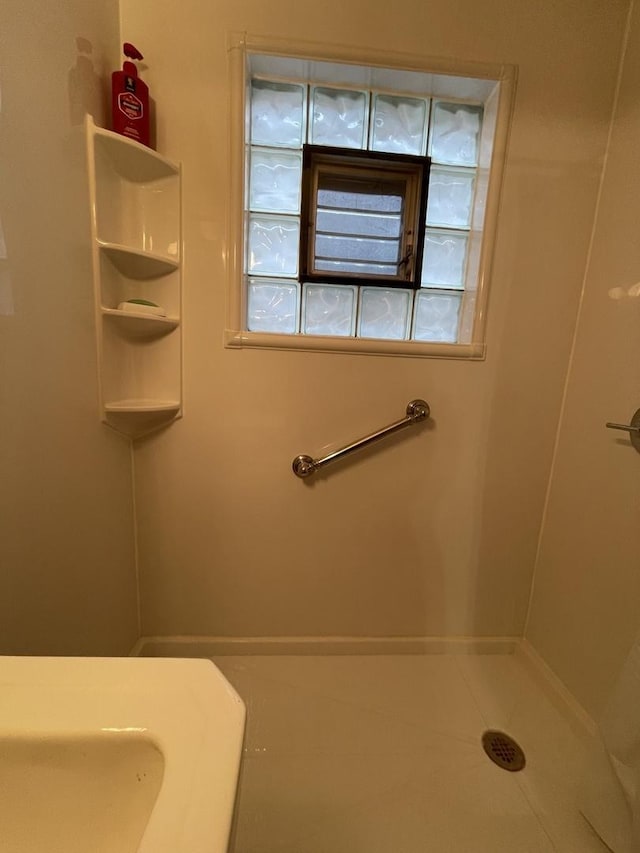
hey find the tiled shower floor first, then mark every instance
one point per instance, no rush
(381, 754)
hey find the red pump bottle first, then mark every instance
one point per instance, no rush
(130, 100)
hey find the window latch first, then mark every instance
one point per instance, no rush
(406, 261)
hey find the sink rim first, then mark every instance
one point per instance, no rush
(184, 706)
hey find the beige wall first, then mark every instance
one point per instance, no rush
(67, 574)
(435, 533)
(586, 603)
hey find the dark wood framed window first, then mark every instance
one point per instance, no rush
(362, 217)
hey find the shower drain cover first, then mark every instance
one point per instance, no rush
(503, 750)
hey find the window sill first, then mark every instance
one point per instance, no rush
(351, 346)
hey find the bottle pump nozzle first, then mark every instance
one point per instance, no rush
(131, 51)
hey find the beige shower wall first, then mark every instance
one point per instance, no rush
(586, 603)
(435, 533)
(67, 571)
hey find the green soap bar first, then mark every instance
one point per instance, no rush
(143, 302)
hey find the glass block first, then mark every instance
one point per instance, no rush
(272, 306)
(455, 134)
(399, 124)
(277, 114)
(444, 259)
(329, 309)
(275, 180)
(273, 245)
(339, 118)
(436, 317)
(450, 197)
(384, 313)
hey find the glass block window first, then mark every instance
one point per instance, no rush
(398, 124)
(277, 114)
(329, 309)
(273, 306)
(361, 243)
(385, 314)
(275, 180)
(273, 245)
(338, 117)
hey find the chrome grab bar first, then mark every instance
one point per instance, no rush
(305, 466)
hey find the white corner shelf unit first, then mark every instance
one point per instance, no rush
(135, 198)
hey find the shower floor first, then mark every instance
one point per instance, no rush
(382, 754)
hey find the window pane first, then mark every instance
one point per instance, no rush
(357, 267)
(342, 200)
(399, 124)
(356, 249)
(275, 181)
(456, 129)
(272, 307)
(338, 118)
(450, 197)
(329, 310)
(444, 259)
(351, 222)
(276, 113)
(273, 245)
(436, 317)
(384, 313)
(358, 224)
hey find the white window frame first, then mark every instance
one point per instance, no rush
(449, 80)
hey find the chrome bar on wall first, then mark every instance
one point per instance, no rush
(305, 466)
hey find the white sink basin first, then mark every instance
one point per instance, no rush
(117, 755)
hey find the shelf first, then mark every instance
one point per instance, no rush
(136, 263)
(131, 159)
(141, 325)
(142, 407)
(136, 418)
(134, 196)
